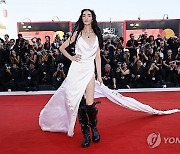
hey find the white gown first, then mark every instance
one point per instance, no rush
(59, 114)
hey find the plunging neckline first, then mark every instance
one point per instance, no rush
(88, 44)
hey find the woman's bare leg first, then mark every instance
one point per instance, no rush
(90, 91)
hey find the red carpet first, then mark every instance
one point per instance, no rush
(122, 130)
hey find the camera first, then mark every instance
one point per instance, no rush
(119, 64)
(39, 53)
(7, 67)
(26, 54)
(26, 43)
(60, 66)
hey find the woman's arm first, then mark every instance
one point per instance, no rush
(98, 65)
(65, 45)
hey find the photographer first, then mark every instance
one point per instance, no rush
(47, 45)
(169, 65)
(6, 42)
(111, 56)
(19, 43)
(118, 56)
(108, 77)
(2, 56)
(44, 67)
(143, 38)
(142, 56)
(14, 58)
(126, 58)
(162, 48)
(2, 64)
(14, 73)
(132, 45)
(57, 58)
(25, 51)
(32, 57)
(178, 74)
(149, 54)
(138, 74)
(57, 42)
(31, 77)
(173, 44)
(58, 76)
(153, 77)
(38, 46)
(123, 75)
(158, 40)
(104, 58)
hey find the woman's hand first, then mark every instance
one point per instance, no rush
(100, 80)
(76, 58)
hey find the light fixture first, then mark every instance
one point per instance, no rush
(165, 16)
(134, 25)
(3, 1)
(56, 18)
(139, 18)
(26, 25)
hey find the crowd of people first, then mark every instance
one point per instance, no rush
(144, 62)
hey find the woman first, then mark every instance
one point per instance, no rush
(59, 114)
(14, 58)
(81, 76)
(32, 58)
(88, 40)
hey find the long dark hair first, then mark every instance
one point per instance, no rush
(80, 25)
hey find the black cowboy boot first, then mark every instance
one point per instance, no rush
(92, 114)
(83, 120)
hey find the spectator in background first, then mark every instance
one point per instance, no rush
(19, 43)
(162, 49)
(2, 64)
(153, 76)
(158, 40)
(11, 44)
(6, 42)
(170, 66)
(132, 45)
(149, 53)
(2, 56)
(104, 58)
(6, 39)
(57, 42)
(58, 76)
(111, 56)
(177, 57)
(32, 57)
(173, 44)
(31, 77)
(118, 56)
(138, 74)
(57, 57)
(1, 41)
(151, 41)
(14, 58)
(38, 46)
(126, 58)
(123, 75)
(47, 44)
(159, 64)
(108, 77)
(14, 74)
(25, 51)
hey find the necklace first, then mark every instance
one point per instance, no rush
(88, 33)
